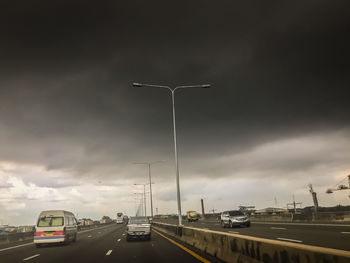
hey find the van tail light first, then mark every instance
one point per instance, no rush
(59, 233)
(39, 234)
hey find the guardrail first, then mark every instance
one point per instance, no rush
(238, 248)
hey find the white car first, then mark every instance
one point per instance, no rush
(55, 226)
(138, 227)
(234, 218)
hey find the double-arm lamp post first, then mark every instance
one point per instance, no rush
(172, 91)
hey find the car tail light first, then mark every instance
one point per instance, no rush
(38, 234)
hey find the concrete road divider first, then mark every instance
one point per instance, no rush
(239, 248)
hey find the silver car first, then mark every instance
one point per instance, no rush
(234, 218)
(138, 227)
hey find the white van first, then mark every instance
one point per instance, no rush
(120, 219)
(55, 226)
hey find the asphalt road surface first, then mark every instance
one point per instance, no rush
(106, 244)
(322, 235)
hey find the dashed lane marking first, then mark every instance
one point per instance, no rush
(7, 248)
(278, 228)
(29, 258)
(201, 259)
(345, 232)
(109, 252)
(119, 240)
(89, 236)
(123, 234)
(291, 240)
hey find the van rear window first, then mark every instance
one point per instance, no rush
(48, 221)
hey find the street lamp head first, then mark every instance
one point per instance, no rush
(137, 85)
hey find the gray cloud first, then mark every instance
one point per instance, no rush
(278, 71)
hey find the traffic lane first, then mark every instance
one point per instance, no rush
(158, 249)
(50, 253)
(103, 246)
(30, 241)
(337, 236)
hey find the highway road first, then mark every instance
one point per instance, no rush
(323, 235)
(106, 244)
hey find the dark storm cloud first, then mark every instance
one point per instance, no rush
(278, 70)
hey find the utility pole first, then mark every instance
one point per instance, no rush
(314, 198)
(202, 203)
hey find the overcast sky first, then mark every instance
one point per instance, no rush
(71, 124)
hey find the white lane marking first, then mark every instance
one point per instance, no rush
(109, 252)
(291, 240)
(233, 232)
(89, 236)
(123, 234)
(28, 258)
(118, 239)
(7, 248)
(345, 232)
(277, 228)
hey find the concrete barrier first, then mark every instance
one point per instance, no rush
(238, 248)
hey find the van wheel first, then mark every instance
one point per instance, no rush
(66, 240)
(75, 238)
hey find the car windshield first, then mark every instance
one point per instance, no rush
(236, 213)
(50, 221)
(139, 220)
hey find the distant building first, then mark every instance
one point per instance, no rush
(105, 219)
(86, 222)
(271, 211)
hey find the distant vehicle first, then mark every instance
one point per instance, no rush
(192, 216)
(234, 218)
(55, 226)
(120, 218)
(138, 227)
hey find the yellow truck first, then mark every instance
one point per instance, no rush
(192, 216)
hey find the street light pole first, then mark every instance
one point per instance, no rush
(176, 160)
(172, 90)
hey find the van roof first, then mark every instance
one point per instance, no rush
(55, 213)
